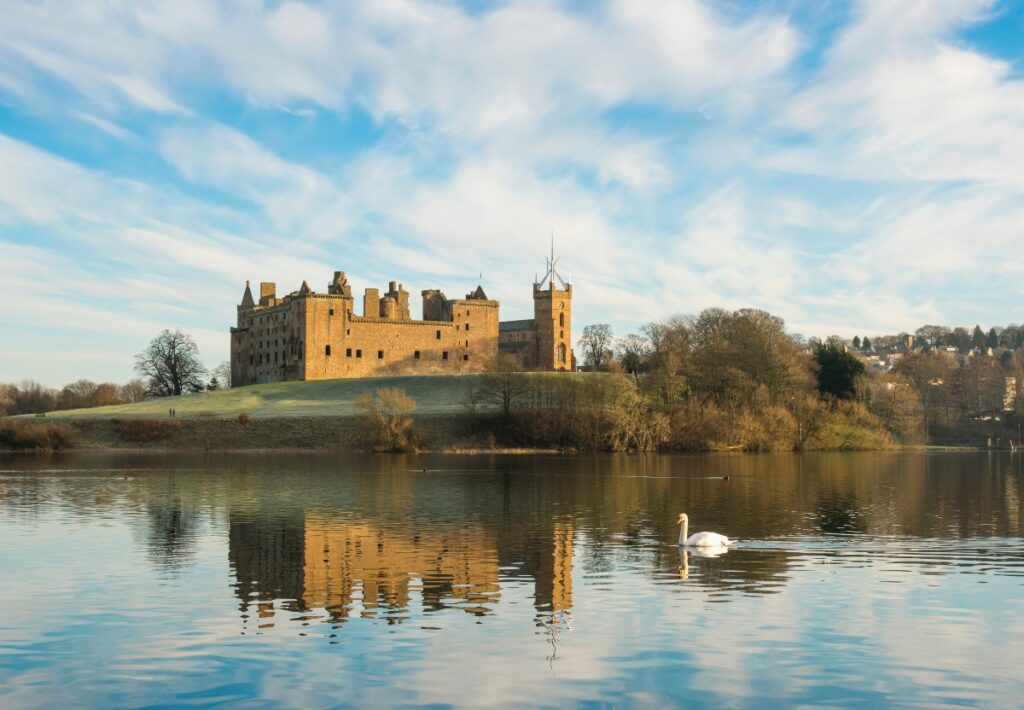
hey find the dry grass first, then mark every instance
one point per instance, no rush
(145, 430)
(29, 435)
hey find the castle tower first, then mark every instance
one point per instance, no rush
(552, 313)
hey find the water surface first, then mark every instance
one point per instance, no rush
(324, 580)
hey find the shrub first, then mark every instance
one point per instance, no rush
(244, 418)
(143, 430)
(45, 436)
(387, 421)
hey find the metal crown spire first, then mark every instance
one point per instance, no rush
(552, 267)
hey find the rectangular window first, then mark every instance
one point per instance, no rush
(330, 311)
(348, 331)
(359, 353)
(416, 355)
(467, 326)
(439, 335)
(444, 355)
(348, 352)
(327, 350)
(250, 359)
(380, 354)
(466, 357)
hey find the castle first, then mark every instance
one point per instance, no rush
(306, 335)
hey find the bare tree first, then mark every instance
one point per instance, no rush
(633, 352)
(171, 365)
(387, 419)
(503, 385)
(78, 394)
(222, 374)
(6, 399)
(30, 397)
(596, 342)
(133, 391)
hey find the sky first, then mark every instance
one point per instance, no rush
(853, 167)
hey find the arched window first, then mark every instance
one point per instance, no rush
(561, 353)
(561, 320)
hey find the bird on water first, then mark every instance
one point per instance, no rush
(701, 539)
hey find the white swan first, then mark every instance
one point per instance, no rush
(701, 539)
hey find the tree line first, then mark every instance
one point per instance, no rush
(170, 365)
(717, 380)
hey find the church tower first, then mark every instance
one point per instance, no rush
(552, 312)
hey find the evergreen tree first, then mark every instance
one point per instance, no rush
(856, 342)
(978, 338)
(993, 338)
(867, 343)
(839, 372)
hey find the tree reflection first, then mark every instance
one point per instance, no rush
(171, 532)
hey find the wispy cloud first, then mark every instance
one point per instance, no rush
(851, 178)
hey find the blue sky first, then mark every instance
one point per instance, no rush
(854, 167)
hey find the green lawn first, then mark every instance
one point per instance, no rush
(434, 394)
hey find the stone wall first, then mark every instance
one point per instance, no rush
(311, 336)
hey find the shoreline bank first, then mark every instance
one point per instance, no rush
(441, 434)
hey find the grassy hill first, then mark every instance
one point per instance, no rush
(434, 394)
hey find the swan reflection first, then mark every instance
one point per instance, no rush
(697, 552)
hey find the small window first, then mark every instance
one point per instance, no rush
(348, 331)
(561, 320)
(348, 352)
(359, 353)
(467, 326)
(465, 357)
(380, 354)
(561, 334)
(416, 355)
(250, 359)
(327, 350)
(330, 311)
(439, 335)
(444, 355)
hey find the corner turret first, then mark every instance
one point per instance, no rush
(247, 300)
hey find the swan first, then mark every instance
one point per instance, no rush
(701, 539)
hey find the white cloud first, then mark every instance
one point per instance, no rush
(684, 154)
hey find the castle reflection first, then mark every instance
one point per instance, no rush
(347, 566)
(332, 539)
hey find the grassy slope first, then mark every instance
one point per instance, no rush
(435, 394)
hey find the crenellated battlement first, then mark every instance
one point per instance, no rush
(306, 335)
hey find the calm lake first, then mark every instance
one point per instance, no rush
(302, 580)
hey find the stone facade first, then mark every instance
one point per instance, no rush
(306, 335)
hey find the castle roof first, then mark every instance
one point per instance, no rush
(510, 325)
(478, 295)
(304, 290)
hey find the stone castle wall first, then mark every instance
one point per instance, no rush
(314, 336)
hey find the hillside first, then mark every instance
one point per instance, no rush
(435, 394)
